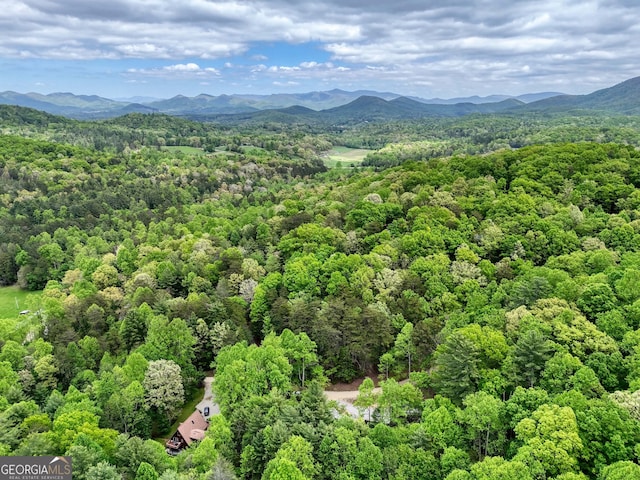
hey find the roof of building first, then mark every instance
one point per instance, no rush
(193, 427)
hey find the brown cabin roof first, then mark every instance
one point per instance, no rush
(193, 427)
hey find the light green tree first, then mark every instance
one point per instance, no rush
(298, 451)
(205, 455)
(146, 472)
(283, 469)
(551, 440)
(481, 416)
(163, 387)
(404, 345)
(397, 402)
(366, 398)
(386, 362)
(624, 470)
(103, 471)
(497, 468)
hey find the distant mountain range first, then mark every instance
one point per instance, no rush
(92, 106)
(621, 99)
(330, 106)
(74, 106)
(366, 108)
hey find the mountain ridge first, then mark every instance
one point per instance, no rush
(338, 105)
(95, 106)
(621, 98)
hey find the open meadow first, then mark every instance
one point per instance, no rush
(345, 157)
(12, 302)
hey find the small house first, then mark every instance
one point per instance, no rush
(189, 431)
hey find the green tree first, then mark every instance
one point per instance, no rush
(442, 426)
(133, 328)
(453, 458)
(626, 286)
(83, 458)
(301, 351)
(46, 371)
(623, 470)
(221, 470)
(169, 340)
(531, 353)
(457, 367)
(522, 403)
(131, 452)
(299, 452)
(135, 367)
(243, 371)
(146, 472)
(8, 378)
(163, 387)
(399, 402)
(596, 298)
(367, 463)
(551, 440)
(204, 455)
(386, 361)
(481, 415)
(366, 397)
(497, 468)
(13, 353)
(103, 471)
(126, 410)
(283, 469)
(559, 371)
(404, 346)
(105, 276)
(301, 276)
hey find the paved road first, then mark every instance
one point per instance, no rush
(209, 400)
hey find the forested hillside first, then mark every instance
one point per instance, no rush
(483, 271)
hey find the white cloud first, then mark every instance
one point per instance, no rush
(158, 28)
(179, 70)
(285, 84)
(461, 44)
(189, 67)
(142, 50)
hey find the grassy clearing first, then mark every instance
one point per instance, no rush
(14, 326)
(13, 300)
(184, 149)
(344, 157)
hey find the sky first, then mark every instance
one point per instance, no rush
(426, 48)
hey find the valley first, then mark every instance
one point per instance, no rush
(480, 262)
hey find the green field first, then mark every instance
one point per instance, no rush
(13, 300)
(344, 157)
(184, 149)
(14, 326)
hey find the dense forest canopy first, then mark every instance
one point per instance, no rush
(483, 271)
